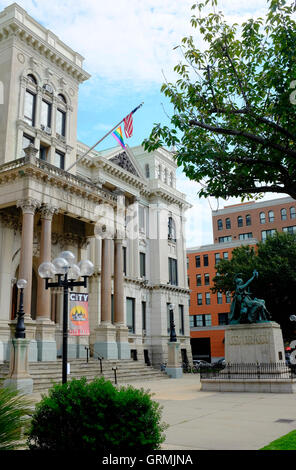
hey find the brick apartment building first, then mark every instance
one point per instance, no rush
(233, 226)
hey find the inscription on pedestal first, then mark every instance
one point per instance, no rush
(248, 339)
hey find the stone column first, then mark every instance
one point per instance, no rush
(28, 207)
(45, 328)
(105, 344)
(121, 329)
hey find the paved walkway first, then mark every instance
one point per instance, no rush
(219, 421)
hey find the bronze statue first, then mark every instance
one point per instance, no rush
(244, 308)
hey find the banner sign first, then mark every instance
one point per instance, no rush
(78, 321)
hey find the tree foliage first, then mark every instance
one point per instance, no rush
(234, 106)
(274, 260)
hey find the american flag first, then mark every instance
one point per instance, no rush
(128, 125)
(128, 122)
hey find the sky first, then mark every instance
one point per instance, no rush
(128, 46)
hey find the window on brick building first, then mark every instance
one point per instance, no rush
(270, 216)
(198, 279)
(240, 221)
(197, 261)
(207, 279)
(284, 214)
(220, 224)
(227, 223)
(199, 299)
(248, 219)
(262, 217)
(292, 213)
(208, 298)
(206, 260)
(219, 298)
(223, 318)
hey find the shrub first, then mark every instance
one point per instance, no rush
(15, 413)
(96, 417)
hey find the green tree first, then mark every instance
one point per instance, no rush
(274, 260)
(233, 123)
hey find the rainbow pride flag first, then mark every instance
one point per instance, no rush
(118, 136)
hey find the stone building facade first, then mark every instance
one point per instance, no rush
(140, 266)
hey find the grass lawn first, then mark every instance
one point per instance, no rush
(287, 442)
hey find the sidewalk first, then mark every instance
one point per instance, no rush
(219, 421)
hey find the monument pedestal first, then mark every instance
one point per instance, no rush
(254, 343)
(173, 368)
(255, 361)
(19, 377)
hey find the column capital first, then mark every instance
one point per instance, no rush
(28, 205)
(47, 211)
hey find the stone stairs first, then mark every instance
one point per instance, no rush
(44, 374)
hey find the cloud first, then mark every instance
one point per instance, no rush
(126, 40)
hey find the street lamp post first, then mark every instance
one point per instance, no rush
(20, 325)
(67, 271)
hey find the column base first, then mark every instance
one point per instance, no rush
(47, 350)
(123, 345)
(105, 344)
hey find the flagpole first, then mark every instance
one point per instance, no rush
(99, 141)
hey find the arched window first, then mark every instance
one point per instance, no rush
(62, 98)
(240, 222)
(228, 223)
(284, 214)
(32, 78)
(292, 213)
(248, 219)
(220, 224)
(262, 217)
(270, 216)
(171, 229)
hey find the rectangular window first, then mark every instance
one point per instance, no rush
(143, 315)
(30, 105)
(130, 314)
(206, 260)
(223, 318)
(199, 299)
(267, 233)
(181, 319)
(228, 297)
(208, 298)
(173, 272)
(219, 298)
(217, 258)
(45, 114)
(191, 321)
(198, 279)
(207, 320)
(225, 255)
(245, 236)
(291, 229)
(61, 123)
(43, 152)
(142, 264)
(225, 239)
(197, 261)
(207, 279)
(60, 160)
(198, 320)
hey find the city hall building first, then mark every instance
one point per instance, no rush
(45, 209)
